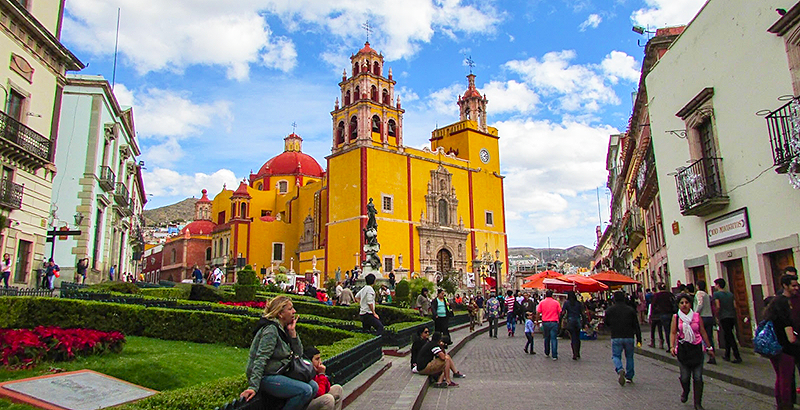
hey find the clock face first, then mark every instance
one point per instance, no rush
(484, 156)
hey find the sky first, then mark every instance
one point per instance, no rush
(215, 86)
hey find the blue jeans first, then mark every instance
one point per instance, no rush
(550, 331)
(511, 323)
(617, 346)
(296, 393)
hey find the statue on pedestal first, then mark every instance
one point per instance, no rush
(372, 263)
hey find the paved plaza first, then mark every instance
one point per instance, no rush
(501, 375)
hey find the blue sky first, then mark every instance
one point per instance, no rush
(216, 86)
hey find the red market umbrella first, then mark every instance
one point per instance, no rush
(557, 284)
(584, 283)
(542, 275)
(612, 278)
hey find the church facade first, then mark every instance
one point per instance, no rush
(440, 209)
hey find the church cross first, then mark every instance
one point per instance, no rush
(368, 28)
(470, 63)
(294, 127)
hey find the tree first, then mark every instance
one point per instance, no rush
(415, 288)
(401, 293)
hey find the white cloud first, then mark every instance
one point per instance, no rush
(592, 21)
(166, 182)
(619, 65)
(665, 13)
(407, 95)
(170, 36)
(509, 97)
(443, 101)
(166, 153)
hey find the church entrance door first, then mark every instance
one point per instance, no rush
(444, 261)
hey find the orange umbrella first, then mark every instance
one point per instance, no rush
(584, 283)
(558, 284)
(535, 280)
(612, 278)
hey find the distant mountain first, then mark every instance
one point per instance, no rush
(181, 211)
(577, 255)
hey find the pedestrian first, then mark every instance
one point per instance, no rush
(726, 317)
(662, 315)
(5, 268)
(440, 309)
(511, 322)
(479, 300)
(688, 335)
(197, 274)
(339, 289)
(575, 313)
(217, 276)
(433, 361)
(82, 268)
(548, 311)
(423, 335)
(624, 324)
(528, 305)
(346, 298)
(529, 332)
(492, 313)
(641, 304)
(780, 311)
(472, 309)
(51, 273)
(391, 280)
(366, 299)
(111, 272)
(519, 313)
(328, 397)
(702, 305)
(423, 304)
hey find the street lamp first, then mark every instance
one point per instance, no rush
(497, 265)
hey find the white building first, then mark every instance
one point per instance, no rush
(726, 211)
(31, 81)
(98, 188)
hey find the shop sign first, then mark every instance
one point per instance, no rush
(728, 228)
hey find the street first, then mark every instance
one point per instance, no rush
(501, 375)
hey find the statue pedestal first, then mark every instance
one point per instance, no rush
(367, 269)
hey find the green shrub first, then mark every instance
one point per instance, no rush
(180, 291)
(247, 276)
(416, 286)
(401, 292)
(330, 287)
(207, 293)
(121, 287)
(204, 396)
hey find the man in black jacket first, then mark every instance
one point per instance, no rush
(624, 325)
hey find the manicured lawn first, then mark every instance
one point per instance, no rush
(153, 363)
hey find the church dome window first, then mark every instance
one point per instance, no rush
(374, 93)
(376, 124)
(340, 133)
(283, 187)
(386, 96)
(355, 68)
(260, 186)
(391, 128)
(243, 210)
(347, 98)
(353, 128)
(357, 95)
(376, 68)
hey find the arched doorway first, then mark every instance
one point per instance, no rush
(444, 261)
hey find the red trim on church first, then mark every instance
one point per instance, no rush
(327, 212)
(472, 217)
(410, 222)
(363, 200)
(503, 204)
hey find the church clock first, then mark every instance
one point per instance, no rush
(484, 154)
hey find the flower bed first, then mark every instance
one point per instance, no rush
(25, 347)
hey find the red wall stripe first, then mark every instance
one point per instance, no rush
(471, 217)
(363, 199)
(410, 222)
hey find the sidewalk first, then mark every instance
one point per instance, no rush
(389, 383)
(754, 373)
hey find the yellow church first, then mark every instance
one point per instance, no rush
(440, 209)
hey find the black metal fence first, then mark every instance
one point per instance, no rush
(26, 138)
(14, 291)
(780, 124)
(10, 194)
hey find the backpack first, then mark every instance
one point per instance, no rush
(765, 341)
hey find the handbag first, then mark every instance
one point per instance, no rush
(298, 368)
(765, 341)
(689, 354)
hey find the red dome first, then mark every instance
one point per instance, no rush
(199, 228)
(291, 163)
(367, 49)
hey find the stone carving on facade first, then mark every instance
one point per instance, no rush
(307, 239)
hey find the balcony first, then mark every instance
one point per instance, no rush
(10, 194)
(634, 229)
(22, 144)
(784, 134)
(121, 195)
(107, 178)
(646, 183)
(700, 187)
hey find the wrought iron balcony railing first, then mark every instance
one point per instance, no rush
(10, 194)
(107, 178)
(700, 187)
(121, 193)
(25, 138)
(784, 133)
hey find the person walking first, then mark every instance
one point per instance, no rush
(217, 276)
(529, 332)
(492, 313)
(548, 311)
(424, 303)
(472, 308)
(663, 308)
(111, 271)
(511, 322)
(274, 342)
(5, 268)
(575, 313)
(702, 305)
(440, 308)
(82, 268)
(687, 335)
(197, 274)
(479, 301)
(366, 299)
(624, 324)
(51, 273)
(726, 316)
(779, 311)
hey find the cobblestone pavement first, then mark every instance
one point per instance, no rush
(501, 375)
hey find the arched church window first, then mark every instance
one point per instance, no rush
(243, 212)
(355, 68)
(233, 211)
(466, 113)
(374, 93)
(376, 68)
(390, 128)
(357, 95)
(443, 211)
(347, 98)
(260, 186)
(340, 133)
(376, 124)
(386, 96)
(353, 128)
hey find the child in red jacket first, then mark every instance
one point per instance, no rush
(328, 397)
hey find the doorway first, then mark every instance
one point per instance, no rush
(23, 261)
(698, 274)
(738, 286)
(444, 261)
(778, 261)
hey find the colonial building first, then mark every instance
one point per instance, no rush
(730, 214)
(98, 189)
(192, 246)
(32, 81)
(440, 209)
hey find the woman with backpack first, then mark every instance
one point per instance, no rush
(687, 335)
(779, 312)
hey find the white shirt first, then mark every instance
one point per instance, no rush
(338, 290)
(366, 297)
(5, 267)
(218, 275)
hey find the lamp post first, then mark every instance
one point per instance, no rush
(497, 265)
